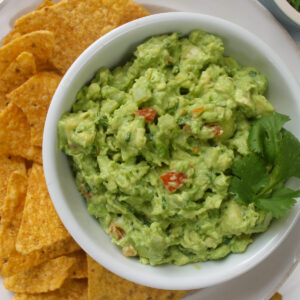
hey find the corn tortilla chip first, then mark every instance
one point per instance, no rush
(15, 134)
(106, 285)
(76, 24)
(8, 164)
(34, 97)
(46, 277)
(12, 211)
(133, 11)
(39, 43)
(79, 269)
(72, 289)
(14, 33)
(41, 226)
(21, 69)
(18, 262)
(45, 4)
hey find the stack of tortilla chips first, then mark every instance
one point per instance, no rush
(38, 257)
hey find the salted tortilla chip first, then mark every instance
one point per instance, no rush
(8, 164)
(39, 43)
(46, 277)
(18, 262)
(34, 97)
(72, 289)
(21, 69)
(79, 269)
(14, 33)
(106, 285)
(15, 134)
(41, 226)
(76, 24)
(133, 11)
(46, 3)
(12, 211)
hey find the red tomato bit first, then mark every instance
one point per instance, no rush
(216, 129)
(116, 231)
(148, 113)
(173, 180)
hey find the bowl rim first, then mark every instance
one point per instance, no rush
(289, 11)
(49, 151)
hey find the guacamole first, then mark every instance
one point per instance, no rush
(152, 143)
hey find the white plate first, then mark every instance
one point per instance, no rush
(263, 280)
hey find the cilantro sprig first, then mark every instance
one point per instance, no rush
(260, 177)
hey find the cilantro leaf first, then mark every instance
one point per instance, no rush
(281, 200)
(251, 175)
(259, 178)
(265, 135)
(242, 191)
(287, 162)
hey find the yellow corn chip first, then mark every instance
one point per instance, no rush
(21, 69)
(15, 134)
(17, 262)
(79, 269)
(15, 34)
(76, 24)
(46, 277)
(8, 165)
(39, 43)
(46, 3)
(106, 285)
(34, 97)
(72, 289)
(11, 36)
(41, 226)
(133, 11)
(12, 211)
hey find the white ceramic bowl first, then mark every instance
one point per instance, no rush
(109, 51)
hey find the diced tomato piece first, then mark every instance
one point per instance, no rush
(116, 231)
(216, 129)
(148, 113)
(173, 180)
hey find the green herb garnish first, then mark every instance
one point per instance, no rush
(260, 177)
(295, 4)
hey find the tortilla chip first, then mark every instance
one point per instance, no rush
(15, 134)
(76, 24)
(46, 277)
(79, 269)
(106, 285)
(18, 262)
(133, 11)
(14, 33)
(34, 97)
(21, 69)
(8, 165)
(39, 43)
(41, 226)
(72, 289)
(12, 211)
(45, 4)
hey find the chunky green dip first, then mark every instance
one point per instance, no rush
(152, 143)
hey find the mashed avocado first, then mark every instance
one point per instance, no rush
(152, 143)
